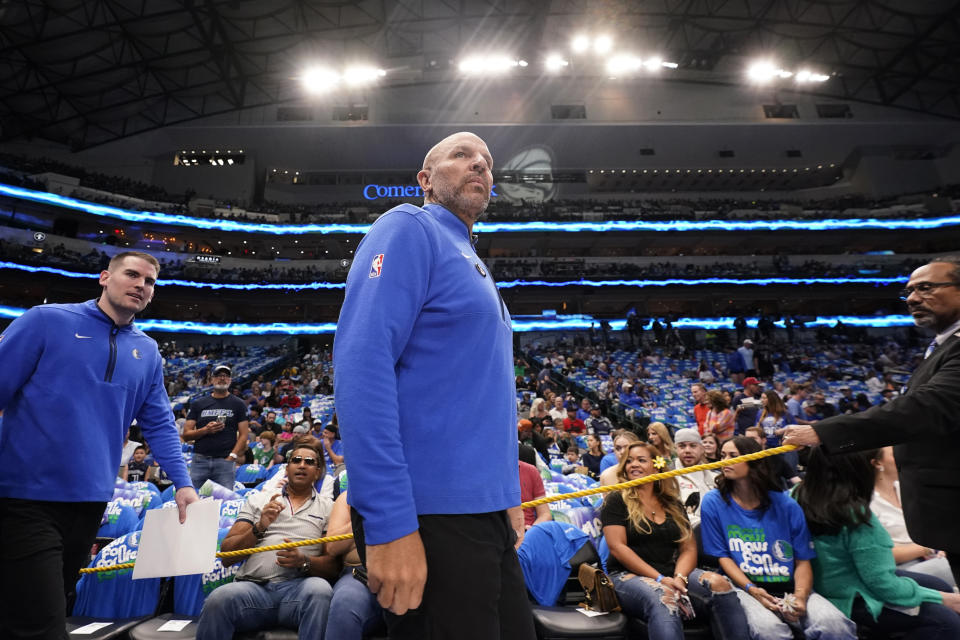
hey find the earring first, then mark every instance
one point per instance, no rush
(880, 468)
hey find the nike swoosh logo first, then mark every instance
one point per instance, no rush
(80, 336)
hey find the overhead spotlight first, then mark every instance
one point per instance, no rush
(362, 74)
(762, 72)
(497, 63)
(522, 63)
(602, 44)
(653, 64)
(804, 76)
(624, 63)
(670, 65)
(580, 43)
(555, 62)
(319, 80)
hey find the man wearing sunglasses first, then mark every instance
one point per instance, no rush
(287, 588)
(217, 425)
(923, 422)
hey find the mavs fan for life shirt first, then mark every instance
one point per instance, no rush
(763, 543)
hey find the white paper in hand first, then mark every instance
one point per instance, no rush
(168, 548)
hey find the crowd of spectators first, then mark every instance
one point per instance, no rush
(583, 431)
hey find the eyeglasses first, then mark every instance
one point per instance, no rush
(310, 462)
(925, 289)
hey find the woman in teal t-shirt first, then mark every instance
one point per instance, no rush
(854, 567)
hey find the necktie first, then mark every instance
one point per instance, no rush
(933, 347)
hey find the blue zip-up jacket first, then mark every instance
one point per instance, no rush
(72, 382)
(424, 385)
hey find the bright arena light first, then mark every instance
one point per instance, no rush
(806, 75)
(624, 63)
(319, 79)
(653, 64)
(762, 72)
(602, 44)
(497, 63)
(555, 62)
(581, 43)
(362, 74)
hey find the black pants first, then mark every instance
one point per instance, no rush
(953, 557)
(475, 588)
(43, 545)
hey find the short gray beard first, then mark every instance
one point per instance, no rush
(457, 202)
(221, 387)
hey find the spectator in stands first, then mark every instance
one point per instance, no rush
(824, 409)
(695, 485)
(67, 398)
(571, 460)
(749, 361)
(711, 447)
(290, 587)
(853, 566)
(621, 442)
(527, 435)
(798, 395)
(746, 404)
(720, 420)
(538, 409)
(598, 424)
(432, 535)
(846, 404)
(700, 408)
(572, 424)
(531, 488)
(783, 471)
(761, 539)
(136, 469)
(290, 400)
(583, 413)
(594, 454)
(354, 611)
(735, 367)
(332, 444)
(264, 452)
(653, 555)
(773, 418)
(557, 411)
(217, 425)
(887, 507)
(659, 437)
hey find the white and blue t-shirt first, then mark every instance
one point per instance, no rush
(764, 543)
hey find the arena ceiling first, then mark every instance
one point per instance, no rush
(86, 72)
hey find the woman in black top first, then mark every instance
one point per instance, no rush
(653, 555)
(591, 459)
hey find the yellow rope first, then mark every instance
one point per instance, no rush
(545, 500)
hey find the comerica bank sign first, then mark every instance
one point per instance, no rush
(378, 191)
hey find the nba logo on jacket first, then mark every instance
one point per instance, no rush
(377, 266)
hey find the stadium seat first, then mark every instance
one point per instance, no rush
(555, 622)
(114, 629)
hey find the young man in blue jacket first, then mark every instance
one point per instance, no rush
(74, 377)
(422, 320)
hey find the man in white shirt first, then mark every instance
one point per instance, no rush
(693, 486)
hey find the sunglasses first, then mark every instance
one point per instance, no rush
(310, 462)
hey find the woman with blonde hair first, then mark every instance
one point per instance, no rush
(621, 442)
(538, 408)
(659, 436)
(653, 555)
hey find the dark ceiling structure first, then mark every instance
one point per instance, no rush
(87, 72)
